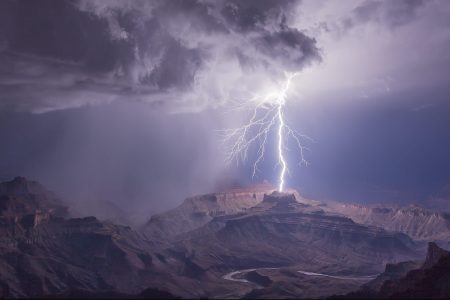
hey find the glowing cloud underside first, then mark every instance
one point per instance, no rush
(266, 116)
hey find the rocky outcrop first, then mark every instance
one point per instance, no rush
(417, 222)
(196, 211)
(429, 281)
(280, 237)
(74, 253)
(391, 272)
(21, 196)
(44, 253)
(434, 254)
(28, 204)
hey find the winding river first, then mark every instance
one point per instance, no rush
(230, 276)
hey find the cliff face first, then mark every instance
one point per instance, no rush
(20, 197)
(417, 222)
(434, 254)
(24, 205)
(430, 281)
(279, 231)
(44, 253)
(197, 211)
(411, 280)
(392, 271)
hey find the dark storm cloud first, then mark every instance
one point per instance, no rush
(279, 46)
(68, 53)
(57, 30)
(39, 84)
(387, 13)
(256, 14)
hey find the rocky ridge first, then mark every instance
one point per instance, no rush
(419, 223)
(279, 231)
(428, 279)
(43, 252)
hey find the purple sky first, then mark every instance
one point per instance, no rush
(121, 101)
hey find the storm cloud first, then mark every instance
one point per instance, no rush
(180, 55)
(388, 13)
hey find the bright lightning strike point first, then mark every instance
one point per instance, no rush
(267, 115)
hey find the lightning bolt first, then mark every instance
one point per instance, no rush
(266, 116)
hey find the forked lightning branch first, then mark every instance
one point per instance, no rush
(267, 117)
